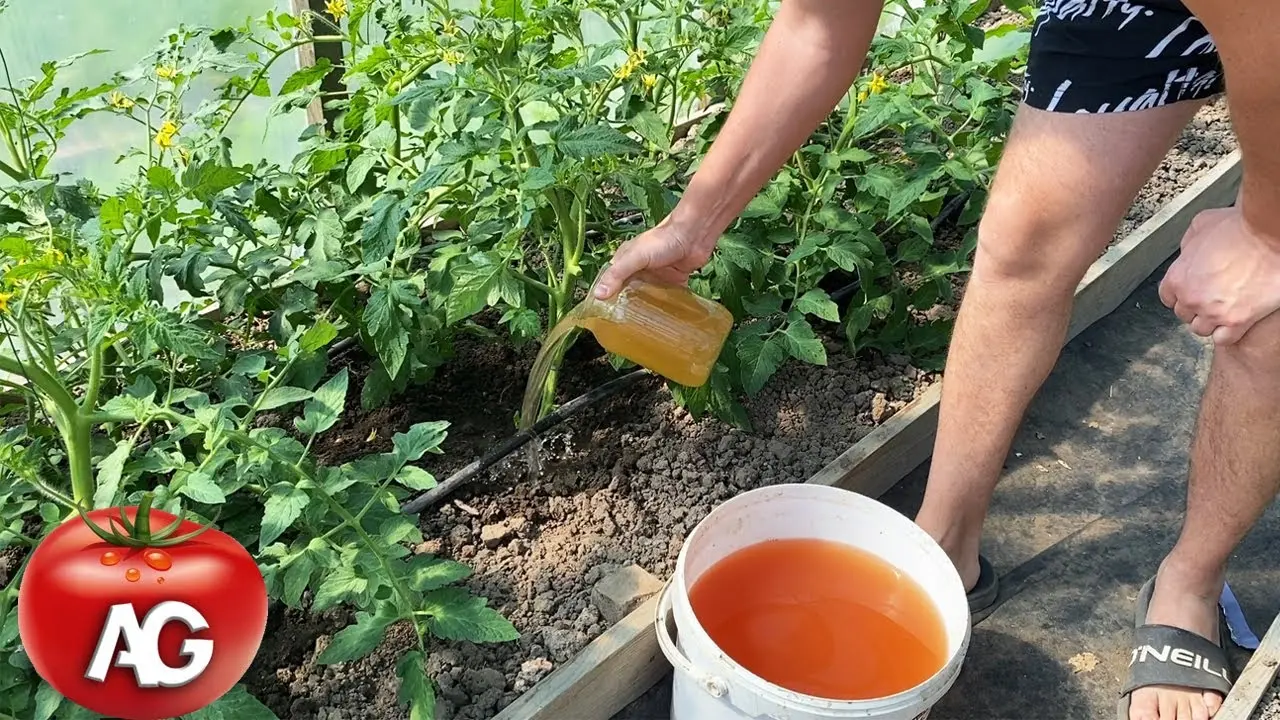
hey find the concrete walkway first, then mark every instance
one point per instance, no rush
(1092, 499)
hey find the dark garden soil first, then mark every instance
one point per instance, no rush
(623, 483)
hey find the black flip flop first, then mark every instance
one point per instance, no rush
(982, 598)
(1166, 655)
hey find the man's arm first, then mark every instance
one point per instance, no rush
(812, 53)
(1247, 33)
(1227, 276)
(810, 56)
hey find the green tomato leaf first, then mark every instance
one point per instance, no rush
(908, 195)
(325, 407)
(200, 486)
(382, 226)
(537, 178)
(420, 113)
(764, 305)
(378, 312)
(297, 576)
(802, 344)
(378, 386)
(47, 701)
(478, 285)
(427, 573)
(281, 396)
(207, 179)
(236, 704)
(415, 478)
(249, 364)
(356, 640)
(109, 472)
(236, 219)
(509, 9)
(595, 141)
(415, 687)
(419, 440)
(162, 179)
(359, 169)
(848, 254)
(760, 357)
(817, 302)
(170, 333)
(392, 347)
(650, 126)
(283, 506)
(329, 237)
(341, 585)
(431, 178)
(318, 336)
(110, 215)
(382, 137)
(307, 76)
(522, 323)
(455, 614)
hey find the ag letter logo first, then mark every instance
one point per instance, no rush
(142, 643)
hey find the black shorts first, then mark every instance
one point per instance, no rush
(1096, 56)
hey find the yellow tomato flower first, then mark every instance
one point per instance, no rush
(184, 153)
(450, 28)
(635, 59)
(452, 57)
(119, 100)
(4, 301)
(862, 96)
(167, 72)
(164, 136)
(336, 8)
(878, 84)
(649, 80)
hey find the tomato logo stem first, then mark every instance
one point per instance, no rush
(138, 532)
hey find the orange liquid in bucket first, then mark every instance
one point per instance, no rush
(821, 618)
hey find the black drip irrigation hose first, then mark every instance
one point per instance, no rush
(564, 412)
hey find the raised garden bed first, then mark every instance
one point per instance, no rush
(625, 481)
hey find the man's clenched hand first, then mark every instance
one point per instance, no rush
(1227, 277)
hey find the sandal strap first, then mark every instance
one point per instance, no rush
(1166, 655)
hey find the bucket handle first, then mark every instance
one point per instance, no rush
(714, 686)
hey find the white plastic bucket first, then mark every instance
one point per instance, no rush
(709, 685)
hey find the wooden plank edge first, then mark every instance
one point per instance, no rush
(893, 450)
(610, 673)
(624, 662)
(1255, 680)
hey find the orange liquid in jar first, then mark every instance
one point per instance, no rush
(668, 330)
(821, 618)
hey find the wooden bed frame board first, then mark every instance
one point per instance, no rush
(1256, 678)
(624, 662)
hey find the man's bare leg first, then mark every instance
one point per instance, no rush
(1235, 473)
(1063, 186)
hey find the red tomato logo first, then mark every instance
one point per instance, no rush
(159, 621)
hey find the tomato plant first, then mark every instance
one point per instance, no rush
(140, 558)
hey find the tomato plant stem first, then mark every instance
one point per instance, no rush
(79, 442)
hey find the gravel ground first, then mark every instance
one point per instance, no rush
(1269, 708)
(623, 483)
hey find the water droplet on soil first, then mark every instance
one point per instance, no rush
(157, 560)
